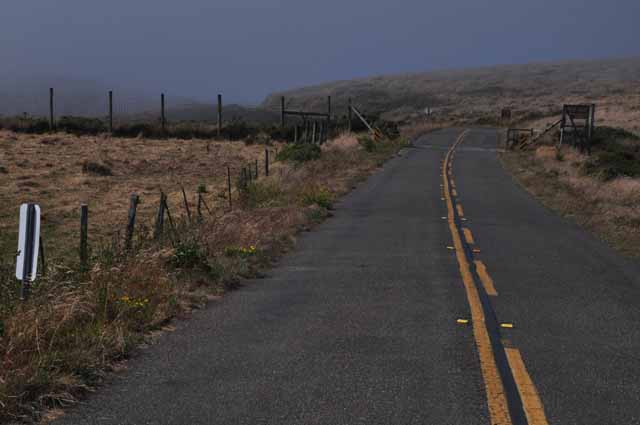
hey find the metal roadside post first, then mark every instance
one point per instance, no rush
(28, 246)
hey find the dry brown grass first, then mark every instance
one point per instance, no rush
(49, 170)
(610, 209)
(79, 325)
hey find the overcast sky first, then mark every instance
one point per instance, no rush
(249, 48)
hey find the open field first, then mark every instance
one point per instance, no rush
(52, 170)
(79, 324)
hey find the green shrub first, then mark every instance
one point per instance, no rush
(367, 143)
(615, 154)
(611, 164)
(606, 135)
(299, 153)
(317, 195)
(189, 255)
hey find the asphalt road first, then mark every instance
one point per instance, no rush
(358, 325)
(574, 302)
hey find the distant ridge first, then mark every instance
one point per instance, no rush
(460, 90)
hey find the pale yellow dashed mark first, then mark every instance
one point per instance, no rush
(531, 402)
(486, 280)
(468, 236)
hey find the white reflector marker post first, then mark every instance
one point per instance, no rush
(28, 243)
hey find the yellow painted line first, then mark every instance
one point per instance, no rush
(496, 398)
(486, 280)
(531, 402)
(460, 210)
(506, 325)
(468, 235)
(462, 321)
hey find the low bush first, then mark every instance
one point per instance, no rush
(95, 168)
(299, 152)
(615, 153)
(614, 163)
(367, 143)
(81, 125)
(189, 254)
(261, 194)
(25, 124)
(316, 195)
(236, 130)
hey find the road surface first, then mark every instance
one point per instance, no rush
(429, 298)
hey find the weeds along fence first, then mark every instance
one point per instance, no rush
(171, 219)
(119, 118)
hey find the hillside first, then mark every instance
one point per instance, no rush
(536, 86)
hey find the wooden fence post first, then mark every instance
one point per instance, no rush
(186, 203)
(295, 134)
(282, 111)
(219, 115)
(266, 162)
(199, 206)
(110, 111)
(229, 186)
(52, 123)
(133, 206)
(162, 115)
(84, 230)
(43, 263)
(315, 127)
(166, 207)
(328, 108)
(160, 217)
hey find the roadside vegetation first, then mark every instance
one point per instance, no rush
(600, 191)
(81, 323)
(236, 129)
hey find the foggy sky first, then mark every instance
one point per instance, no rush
(249, 48)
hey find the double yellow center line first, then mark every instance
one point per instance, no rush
(498, 405)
